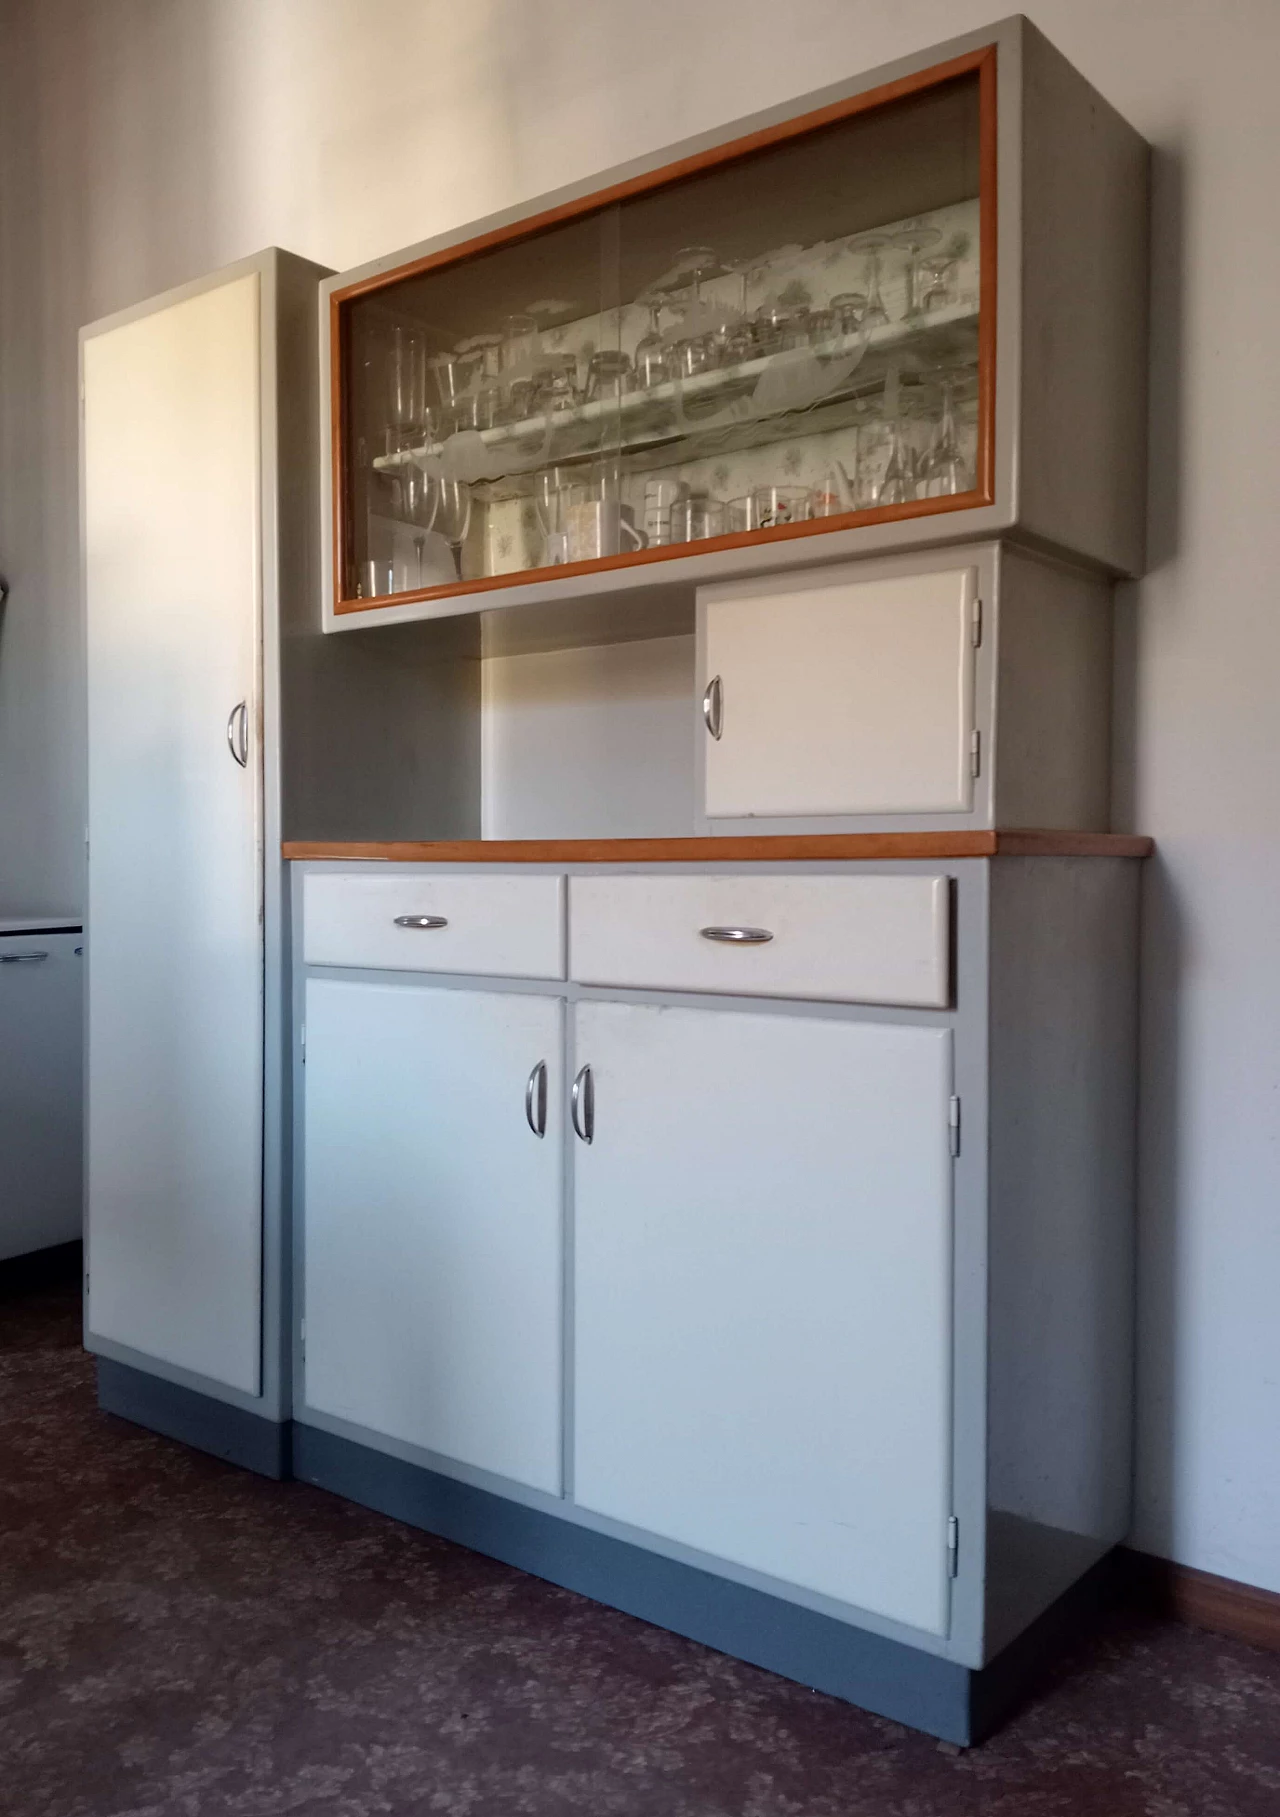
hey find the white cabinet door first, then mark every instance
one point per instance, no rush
(175, 1035)
(41, 1090)
(854, 697)
(762, 1300)
(432, 1244)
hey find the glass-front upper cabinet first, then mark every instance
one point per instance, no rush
(785, 346)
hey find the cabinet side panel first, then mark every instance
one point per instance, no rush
(1053, 696)
(1084, 301)
(1063, 1030)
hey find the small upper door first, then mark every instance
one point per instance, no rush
(171, 459)
(850, 697)
(762, 1326)
(433, 1172)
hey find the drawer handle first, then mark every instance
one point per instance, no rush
(535, 1099)
(738, 936)
(426, 921)
(713, 706)
(22, 958)
(582, 1106)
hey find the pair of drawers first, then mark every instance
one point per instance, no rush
(852, 939)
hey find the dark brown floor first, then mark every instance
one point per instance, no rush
(181, 1639)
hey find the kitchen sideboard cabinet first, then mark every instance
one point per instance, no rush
(904, 309)
(831, 1225)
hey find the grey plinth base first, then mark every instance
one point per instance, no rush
(197, 1419)
(883, 1676)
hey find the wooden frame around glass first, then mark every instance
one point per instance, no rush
(981, 63)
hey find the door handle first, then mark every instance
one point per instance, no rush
(422, 921)
(535, 1099)
(583, 1105)
(713, 706)
(737, 936)
(23, 958)
(238, 733)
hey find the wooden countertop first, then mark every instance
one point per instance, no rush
(777, 847)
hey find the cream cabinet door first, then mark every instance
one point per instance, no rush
(762, 1301)
(432, 1242)
(849, 698)
(172, 507)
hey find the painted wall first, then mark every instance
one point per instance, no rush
(146, 141)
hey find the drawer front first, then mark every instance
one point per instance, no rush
(508, 925)
(846, 939)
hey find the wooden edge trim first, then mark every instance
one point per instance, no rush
(1220, 1604)
(988, 205)
(761, 848)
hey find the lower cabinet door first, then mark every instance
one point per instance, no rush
(762, 1304)
(433, 1216)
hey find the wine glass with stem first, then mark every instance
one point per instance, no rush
(453, 515)
(914, 237)
(873, 243)
(944, 472)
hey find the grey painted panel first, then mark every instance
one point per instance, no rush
(231, 1433)
(1051, 757)
(1063, 1052)
(881, 1675)
(1084, 302)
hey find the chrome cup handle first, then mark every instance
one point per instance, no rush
(582, 1106)
(535, 1099)
(713, 706)
(238, 733)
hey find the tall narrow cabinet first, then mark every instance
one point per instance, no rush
(218, 718)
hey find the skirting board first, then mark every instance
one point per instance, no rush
(1202, 1600)
(880, 1675)
(198, 1420)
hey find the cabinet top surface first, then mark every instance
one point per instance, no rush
(1016, 843)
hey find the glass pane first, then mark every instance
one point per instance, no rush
(467, 385)
(805, 325)
(788, 336)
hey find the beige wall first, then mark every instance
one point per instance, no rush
(145, 141)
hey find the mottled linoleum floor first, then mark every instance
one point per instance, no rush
(181, 1639)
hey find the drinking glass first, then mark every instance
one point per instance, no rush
(406, 399)
(873, 244)
(773, 505)
(849, 309)
(608, 373)
(693, 519)
(914, 237)
(551, 501)
(453, 515)
(944, 471)
(937, 274)
(653, 356)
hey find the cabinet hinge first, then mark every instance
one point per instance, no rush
(953, 1125)
(953, 1547)
(302, 1335)
(975, 753)
(302, 1042)
(977, 623)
